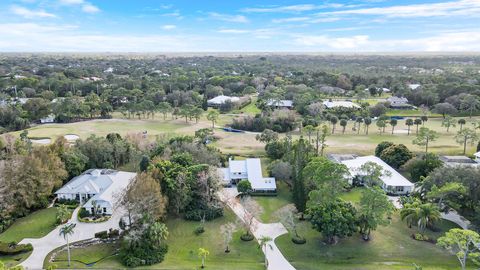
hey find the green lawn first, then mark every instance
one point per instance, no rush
(354, 195)
(271, 204)
(183, 245)
(35, 225)
(11, 261)
(250, 109)
(391, 247)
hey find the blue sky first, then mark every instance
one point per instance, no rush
(242, 26)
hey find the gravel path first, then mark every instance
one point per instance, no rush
(276, 260)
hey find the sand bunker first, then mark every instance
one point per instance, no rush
(71, 137)
(42, 141)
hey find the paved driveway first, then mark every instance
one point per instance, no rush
(275, 258)
(43, 246)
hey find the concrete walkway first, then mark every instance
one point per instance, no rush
(43, 246)
(456, 218)
(276, 260)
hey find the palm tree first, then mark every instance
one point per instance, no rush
(63, 214)
(359, 121)
(393, 123)
(417, 122)
(263, 243)
(461, 122)
(334, 121)
(203, 253)
(368, 122)
(409, 123)
(424, 119)
(65, 231)
(428, 214)
(343, 123)
(409, 213)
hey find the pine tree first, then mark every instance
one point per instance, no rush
(300, 160)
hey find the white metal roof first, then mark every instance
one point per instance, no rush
(120, 181)
(254, 170)
(222, 99)
(345, 104)
(394, 179)
(237, 166)
(280, 103)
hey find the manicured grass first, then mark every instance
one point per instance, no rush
(250, 109)
(183, 245)
(353, 196)
(411, 113)
(35, 225)
(271, 204)
(11, 261)
(391, 247)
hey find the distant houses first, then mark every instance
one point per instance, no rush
(453, 161)
(392, 181)
(340, 104)
(97, 190)
(280, 104)
(48, 119)
(219, 100)
(249, 169)
(400, 103)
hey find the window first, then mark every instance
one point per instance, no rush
(104, 210)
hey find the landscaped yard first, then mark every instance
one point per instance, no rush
(183, 245)
(271, 204)
(35, 225)
(391, 247)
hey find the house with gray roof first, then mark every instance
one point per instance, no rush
(96, 188)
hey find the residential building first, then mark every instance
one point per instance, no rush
(219, 100)
(96, 188)
(392, 181)
(280, 104)
(453, 161)
(48, 119)
(249, 169)
(340, 104)
(399, 103)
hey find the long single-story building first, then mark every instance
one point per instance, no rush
(280, 104)
(219, 100)
(96, 188)
(453, 161)
(249, 169)
(393, 181)
(340, 104)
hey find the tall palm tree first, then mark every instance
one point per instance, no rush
(428, 214)
(263, 243)
(409, 123)
(65, 231)
(203, 253)
(409, 213)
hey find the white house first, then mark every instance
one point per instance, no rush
(96, 188)
(413, 86)
(340, 104)
(219, 100)
(280, 104)
(454, 161)
(249, 169)
(48, 119)
(393, 181)
(399, 103)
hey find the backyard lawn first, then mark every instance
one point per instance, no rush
(35, 225)
(271, 204)
(182, 249)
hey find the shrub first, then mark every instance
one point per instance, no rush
(101, 235)
(382, 146)
(13, 248)
(198, 214)
(113, 233)
(83, 213)
(298, 240)
(246, 237)
(139, 256)
(244, 186)
(199, 230)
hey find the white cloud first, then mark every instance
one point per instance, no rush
(444, 42)
(29, 14)
(453, 8)
(233, 31)
(89, 8)
(291, 19)
(169, 27)
(292, 8)
(228, 18)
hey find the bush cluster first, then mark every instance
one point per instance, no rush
(135, 257)
(14, 248)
